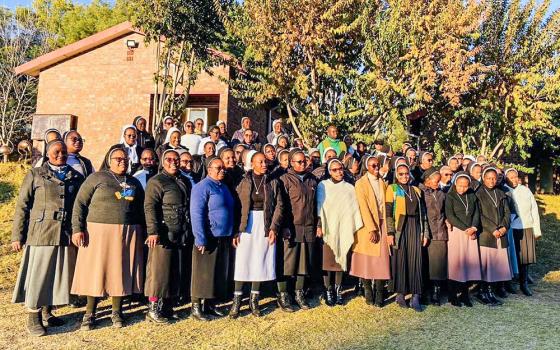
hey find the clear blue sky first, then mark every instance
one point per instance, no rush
(555, 4)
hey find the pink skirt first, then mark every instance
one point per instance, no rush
(372, 267)
(495, 264)
(463, 257)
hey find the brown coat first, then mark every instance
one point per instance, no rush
(370, 217)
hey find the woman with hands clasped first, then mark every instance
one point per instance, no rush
(463, 260)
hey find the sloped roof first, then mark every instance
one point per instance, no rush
(35, 66)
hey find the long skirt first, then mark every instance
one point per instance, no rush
(512, 253)
(45, 276)
(166, 277)
(210, 270)
(525, 245)
(255, 258)
(113, 262)
(437, 260)
(295, 258)
(463, 257)
(407, 259)
(373, 267)
(495, 264)
(329, 260)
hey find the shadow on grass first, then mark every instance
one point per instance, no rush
(7, 191)
(548, 247)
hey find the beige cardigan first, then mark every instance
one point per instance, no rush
(370, 216)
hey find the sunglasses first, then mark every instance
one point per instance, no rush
(189, 126)
(131, 136)
(374, 166)
(77, 139)
(172, 160)
(446, 174)
(403, 174)
(120, 160)
(300, 162)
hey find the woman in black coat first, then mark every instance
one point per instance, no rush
(145, 139)
(42, 224)
(495, 220)
(166, 206)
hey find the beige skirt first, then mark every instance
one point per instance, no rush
(112, 263)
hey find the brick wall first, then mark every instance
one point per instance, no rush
(106, 91)
(236, 112)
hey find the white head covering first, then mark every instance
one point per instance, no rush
(248, 158)
(325, 152)
(131, 150)
(170, 131)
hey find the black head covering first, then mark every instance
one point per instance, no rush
(107, 160)
(427, 173)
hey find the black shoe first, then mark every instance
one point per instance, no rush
(35, 324)
(482, 296)
(501, 291)
(77, 302)
(508, 286)
(368, 293)
(524, 287)
(154, 314)
(464, 297)
(197, 313)
(379, 293)
(300, 300)
(117, 319)
(210, 309)
(492, 297)
(88, 322)
(254, 304)
(328, 296)
(338, 291)
(360, 288)
(284, 303)
(235, 306)
(166, 309)
(49, 319)
(401, 301)
(436, 294)
(416, 304)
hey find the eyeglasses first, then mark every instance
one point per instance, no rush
(189, 126)
(218, 168)
(199, 124)
(446, 174)
(403, 174)
(172, 160)
(120, 159)
(374, 166)
(168, 123)
(77, 139)
(187, 161)
(130, 136)
(300, 162)
(430, 160)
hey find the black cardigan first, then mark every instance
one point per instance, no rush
(492, 218)
(455, 210)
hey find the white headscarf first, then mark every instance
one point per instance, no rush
(170, 131)
(131, 150)
(248, 158)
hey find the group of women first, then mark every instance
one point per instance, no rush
(171, 226)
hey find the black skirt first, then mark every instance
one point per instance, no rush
(210, 270)
(295, 258)
(437, 260)
(524, 240)
(406, 261)
(166, 277)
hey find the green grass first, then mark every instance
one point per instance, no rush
(522, 323)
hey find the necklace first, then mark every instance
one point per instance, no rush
(123, 184)
(464, 205)
(494, 200)
(409, 195)
(260, 184)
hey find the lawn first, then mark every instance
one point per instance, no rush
(522, 323)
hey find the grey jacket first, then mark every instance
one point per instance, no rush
(43, 211)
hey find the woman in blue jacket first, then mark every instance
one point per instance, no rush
(212, 223)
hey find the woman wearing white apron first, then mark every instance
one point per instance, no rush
(259, 209)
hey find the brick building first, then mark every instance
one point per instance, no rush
(105, 83)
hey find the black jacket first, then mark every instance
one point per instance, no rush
(435, 208)
(167, 205)
(145, 140)
(457, 214)
(299, 200)
(493, 217)
(273, 203)
(43, 212)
